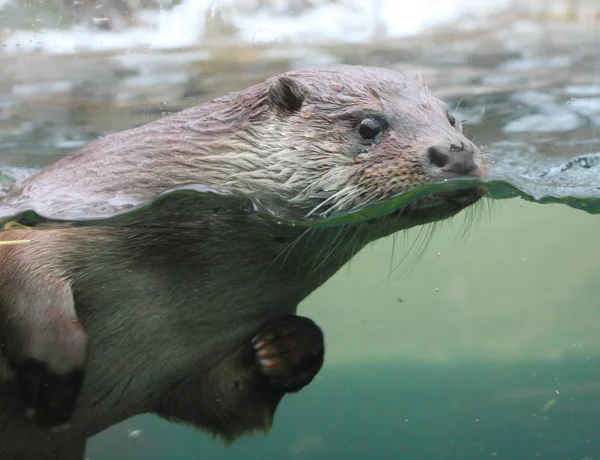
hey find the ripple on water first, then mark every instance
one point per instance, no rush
(588, 107)
(548, 116)
(557, 119)
(582, 90)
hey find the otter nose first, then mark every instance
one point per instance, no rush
(457, 158)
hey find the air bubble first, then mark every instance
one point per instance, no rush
(134, 433)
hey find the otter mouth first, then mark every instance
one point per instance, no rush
(441, 205)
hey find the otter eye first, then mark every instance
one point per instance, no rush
(451, 119)
(369, 128)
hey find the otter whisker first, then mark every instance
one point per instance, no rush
(406, 254)
(490, 205)
(293, 245)
(343, 203)
(458, 104)
(470, 215)
(307, 241)
(375, 195)
(287, 250)
(351, 190)
(392, 255)
(425, 242)
(351, 246)
(323, 204)
(331, 247)
(367, 236)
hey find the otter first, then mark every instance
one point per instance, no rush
(193, 318)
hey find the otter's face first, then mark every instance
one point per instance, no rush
(361, 135)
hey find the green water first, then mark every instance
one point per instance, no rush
(493, 353)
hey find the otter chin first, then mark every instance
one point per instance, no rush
(443, 205)
(193, 316)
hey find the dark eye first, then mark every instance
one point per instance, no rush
(369, 128)
(451, 119)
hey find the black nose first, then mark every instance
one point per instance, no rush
(454, 158)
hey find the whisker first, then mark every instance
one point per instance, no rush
(425, 243)
(287, 250)
(342, 203)
(406, 254)
(334, 197)
(351, 247)
(465, 228)
(392, 255)
(309, 239)
(332, 247)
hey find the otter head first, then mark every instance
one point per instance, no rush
(342, 136)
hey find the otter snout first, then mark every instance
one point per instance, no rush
(456, 157)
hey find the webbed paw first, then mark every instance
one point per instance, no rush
(290, 352)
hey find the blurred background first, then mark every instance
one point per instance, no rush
(483, 342)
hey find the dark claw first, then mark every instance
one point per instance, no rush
(290, 352)
(51, 396)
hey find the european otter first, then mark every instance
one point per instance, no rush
(193, 319)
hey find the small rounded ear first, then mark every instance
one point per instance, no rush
(287, 94)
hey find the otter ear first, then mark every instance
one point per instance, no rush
(287, 94)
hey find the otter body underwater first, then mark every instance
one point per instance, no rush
(194, 319)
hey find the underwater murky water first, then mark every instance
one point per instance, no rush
(478, 345)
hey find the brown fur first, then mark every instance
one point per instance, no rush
(169, 307)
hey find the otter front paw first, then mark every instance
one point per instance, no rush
(290, 352)
(47, 370)
(49, 396)
(42, 346)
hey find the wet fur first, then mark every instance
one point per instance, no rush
(168, 338)
(169, 308)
